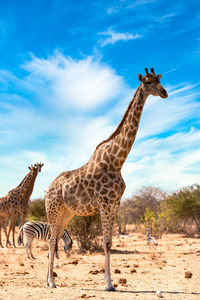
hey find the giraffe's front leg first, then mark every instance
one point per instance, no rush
(107, 223)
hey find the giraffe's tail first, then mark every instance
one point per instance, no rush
(20, 236)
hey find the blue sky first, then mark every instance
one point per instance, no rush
(68, 71)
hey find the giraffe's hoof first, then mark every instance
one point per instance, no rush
(52, 285)
(110, 289)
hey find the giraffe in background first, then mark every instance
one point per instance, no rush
(98, 185)
(15, 203)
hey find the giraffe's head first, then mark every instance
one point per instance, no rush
(152, 85)
(31, 168)
(39, 166)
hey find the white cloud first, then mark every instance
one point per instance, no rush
(64, 82)
(114, 37)
(169, 163)
(139, 3)
(166, 17)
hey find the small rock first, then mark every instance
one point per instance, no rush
(188, 274)
(102, 271)
(55, 274)
(136, 265)
(32, 266)
(164, 261)
(26, 273)
(122, 280)
(62, 285)
(83, 296)
(117, 271)
(133, 270)
(21, 264)
(74, 262)
(94, 272)
(115, 285)
(159, 294)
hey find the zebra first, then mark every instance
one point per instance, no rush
(40, 230)
(151, 241)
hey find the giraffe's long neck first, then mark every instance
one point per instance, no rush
(27, 185)
(18, 188)
(116, 148)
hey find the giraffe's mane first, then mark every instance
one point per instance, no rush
(116, 132)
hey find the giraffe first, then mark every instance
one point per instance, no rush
(16, 201)
(98, 185)
(36, 169)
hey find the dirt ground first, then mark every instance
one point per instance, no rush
(143, 271)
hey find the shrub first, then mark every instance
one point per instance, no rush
(37, 210)
(182, 207)
(87, 231)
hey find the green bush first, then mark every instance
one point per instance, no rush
(182, 207)
(37, 211)
(88, 232)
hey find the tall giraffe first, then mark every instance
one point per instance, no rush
(15, 203)
(98, 185)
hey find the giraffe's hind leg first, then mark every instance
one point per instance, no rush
(107, 220)
(57, 225)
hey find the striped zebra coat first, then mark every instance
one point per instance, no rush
(40, 230)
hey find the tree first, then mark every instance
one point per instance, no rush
(37, 210)
(182, 206)
(132, 210)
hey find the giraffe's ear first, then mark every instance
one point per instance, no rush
(159, 76)
(140, 77)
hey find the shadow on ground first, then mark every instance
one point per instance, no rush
(146, 292)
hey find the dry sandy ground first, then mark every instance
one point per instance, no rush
(145, 271)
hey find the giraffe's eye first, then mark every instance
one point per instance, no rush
(148, 82)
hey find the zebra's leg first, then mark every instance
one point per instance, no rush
(32, 256)
(30, 248)
(27, 250)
